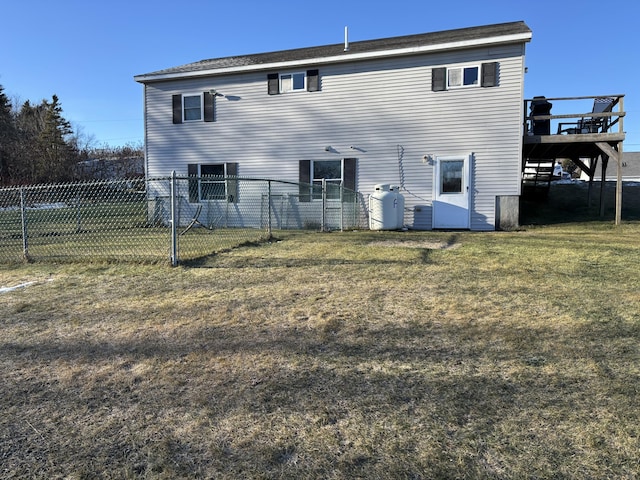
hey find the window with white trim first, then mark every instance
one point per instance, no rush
(293, 82)
(278, 83)
(463, 76)
(192, 107)
(339, 177)
(213, 181)
(329, 171)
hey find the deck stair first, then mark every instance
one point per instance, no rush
(537, 174)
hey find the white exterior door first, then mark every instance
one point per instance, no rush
(451, 198)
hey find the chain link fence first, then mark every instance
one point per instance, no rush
(175, 219)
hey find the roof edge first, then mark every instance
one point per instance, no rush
(342, 58)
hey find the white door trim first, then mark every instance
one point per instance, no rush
(452, 192)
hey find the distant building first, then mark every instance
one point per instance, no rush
(110, 168)
(630, 169)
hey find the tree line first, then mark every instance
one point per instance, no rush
(38, 145)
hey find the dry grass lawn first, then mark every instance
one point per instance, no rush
(337, 356)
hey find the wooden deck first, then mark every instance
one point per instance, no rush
(551, 132)
(568, 146)
(565, 135)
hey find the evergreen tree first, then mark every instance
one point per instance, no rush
(36, 143)
(29, 123)
(56, 156)
(7, 137)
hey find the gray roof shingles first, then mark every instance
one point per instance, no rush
(393, 43)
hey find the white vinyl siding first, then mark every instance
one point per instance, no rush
(382, 112)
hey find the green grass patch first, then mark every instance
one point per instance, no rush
(342, 355)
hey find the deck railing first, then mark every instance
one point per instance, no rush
(601, 114)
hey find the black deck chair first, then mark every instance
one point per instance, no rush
(592, 124)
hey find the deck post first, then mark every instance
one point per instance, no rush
(593, 165)
(619, 186)
(617, 154)
(619, 162)
(603, 182)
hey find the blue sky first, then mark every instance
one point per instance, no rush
(88, 52)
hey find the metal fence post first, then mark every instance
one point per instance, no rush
(78, 215)
(341, 207)
(269, 207)
(324, 205)
(23, 214)
(174, 222)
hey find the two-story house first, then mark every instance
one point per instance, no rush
(437, 114)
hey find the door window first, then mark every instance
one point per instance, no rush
(451, 176)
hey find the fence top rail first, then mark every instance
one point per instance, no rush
(44, 186)
(221, 177)
(127, 181)
(235, 178)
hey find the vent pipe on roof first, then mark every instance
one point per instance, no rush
(346, 39)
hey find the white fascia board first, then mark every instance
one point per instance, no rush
(521, 37)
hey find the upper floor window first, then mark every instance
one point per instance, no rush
(462, 76)
(293, 82)
(193, 107)
(446, 78)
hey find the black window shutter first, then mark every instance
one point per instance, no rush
(192, 170)
(232, 183)
(438, 79)
(305, 180)
(349, 179)
(489, 74)
(313, 81)
(209, 107)
(273, 84)
(177, 108)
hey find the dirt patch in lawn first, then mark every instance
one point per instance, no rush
(430, 245)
